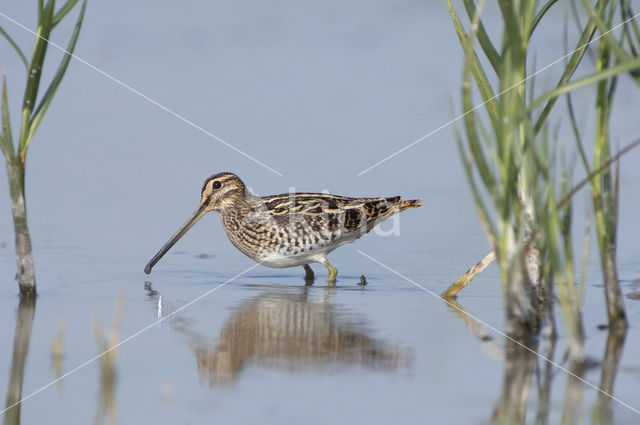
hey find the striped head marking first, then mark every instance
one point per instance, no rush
(221, 191)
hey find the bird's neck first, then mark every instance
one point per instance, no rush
(243, 207)
(242, 218)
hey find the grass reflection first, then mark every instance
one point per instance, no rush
(528, 379)
(57, 354)
(603, 409)
(24, 323)
(107, 408)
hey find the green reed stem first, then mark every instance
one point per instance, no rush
(33, 110)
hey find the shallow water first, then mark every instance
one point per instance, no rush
(318, 92)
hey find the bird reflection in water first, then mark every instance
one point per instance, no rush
(292, 331)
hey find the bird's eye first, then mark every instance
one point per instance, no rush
(217, 184)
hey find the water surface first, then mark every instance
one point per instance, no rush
(319, 92)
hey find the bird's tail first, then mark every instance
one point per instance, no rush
(412, 203)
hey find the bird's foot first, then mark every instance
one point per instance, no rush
(333, 273)
(309, 276)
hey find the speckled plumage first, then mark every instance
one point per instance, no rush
(291, 229)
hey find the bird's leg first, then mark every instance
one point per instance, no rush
(333, 272)
(308, 273)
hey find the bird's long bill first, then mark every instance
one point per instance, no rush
(197, 215)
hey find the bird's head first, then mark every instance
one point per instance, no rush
(221, 191)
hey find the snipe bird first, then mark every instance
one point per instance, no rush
(292, 229)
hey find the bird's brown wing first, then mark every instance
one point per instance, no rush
(338, 215)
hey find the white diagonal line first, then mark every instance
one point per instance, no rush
(145, 97)
(129, 338)
(500, 332)
(447, 124)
